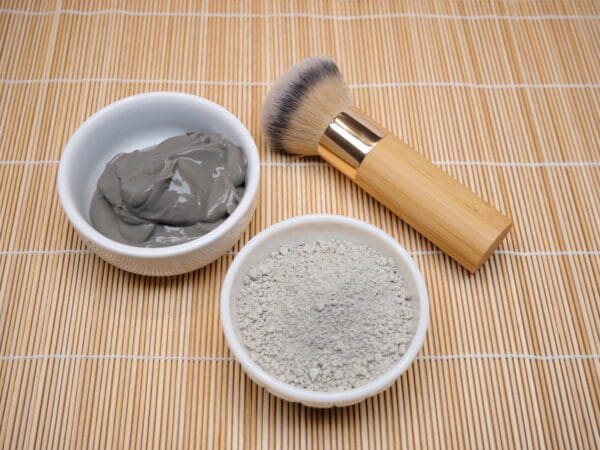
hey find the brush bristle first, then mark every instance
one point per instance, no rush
(302, 103)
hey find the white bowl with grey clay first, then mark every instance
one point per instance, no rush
(321, 335)
(142, 122)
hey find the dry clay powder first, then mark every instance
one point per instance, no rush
(327, 315)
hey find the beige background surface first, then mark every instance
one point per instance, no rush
(505, 95)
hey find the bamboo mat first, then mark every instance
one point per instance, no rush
(504, 95)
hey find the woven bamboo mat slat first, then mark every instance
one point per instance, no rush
(502, 94)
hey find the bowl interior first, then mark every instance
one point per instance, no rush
(135, 123)
(308, 229)
(326, 229)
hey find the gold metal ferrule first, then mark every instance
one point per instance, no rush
(351, 135)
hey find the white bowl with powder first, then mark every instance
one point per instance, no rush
(138, 122)
(306, 234)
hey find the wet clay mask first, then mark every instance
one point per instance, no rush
(171, 193)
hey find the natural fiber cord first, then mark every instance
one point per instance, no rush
(505, 95)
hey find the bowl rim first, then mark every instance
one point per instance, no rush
(306, 396)
(69, 158)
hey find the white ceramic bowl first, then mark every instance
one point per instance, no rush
(312, 228)
(137, 122)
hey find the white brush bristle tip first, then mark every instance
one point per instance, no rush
(302, 103)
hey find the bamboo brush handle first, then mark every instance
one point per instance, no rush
(436, 205)
(447, 213)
